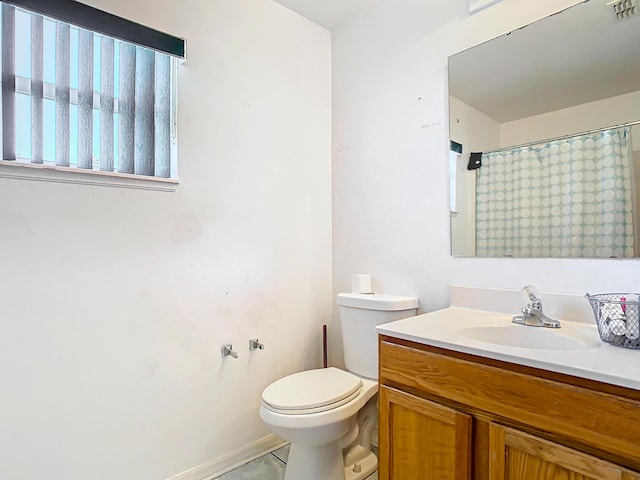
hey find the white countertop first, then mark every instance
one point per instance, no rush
(595, 360)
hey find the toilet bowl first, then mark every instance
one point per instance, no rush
(320, 422)
(329, 415)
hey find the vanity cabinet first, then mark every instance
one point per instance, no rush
(449, 415)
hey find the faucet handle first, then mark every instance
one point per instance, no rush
(254, 344)
(530, 296)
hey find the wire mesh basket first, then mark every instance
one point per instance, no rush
(618, 318)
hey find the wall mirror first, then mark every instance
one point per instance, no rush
(551, 112)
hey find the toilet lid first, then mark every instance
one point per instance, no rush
(312, 390)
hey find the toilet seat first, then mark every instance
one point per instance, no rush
(311, 391)
(333, 415)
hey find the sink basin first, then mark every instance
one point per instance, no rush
(540, 338)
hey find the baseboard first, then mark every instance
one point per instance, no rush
(226, 463)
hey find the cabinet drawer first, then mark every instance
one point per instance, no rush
(594, 420)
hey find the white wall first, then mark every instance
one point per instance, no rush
(477, 133)
(567, 121)
(390, 162)
(636, 184)
(115, 302)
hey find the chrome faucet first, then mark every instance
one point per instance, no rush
(532, 315)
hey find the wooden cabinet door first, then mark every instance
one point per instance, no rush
(422, 440)
(515, 455)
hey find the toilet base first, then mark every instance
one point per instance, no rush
(326, 463)
(315, 463)
(361, 469)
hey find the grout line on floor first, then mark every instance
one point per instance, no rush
(278, 458)
(281, 454)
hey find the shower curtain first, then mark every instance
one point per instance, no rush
(565, 198)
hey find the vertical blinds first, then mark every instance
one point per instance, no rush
(75, 98)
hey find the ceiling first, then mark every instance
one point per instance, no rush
(328, 13)
(574, 57)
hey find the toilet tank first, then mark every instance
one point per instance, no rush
(359, 316)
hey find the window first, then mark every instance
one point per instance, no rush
(76, 99)
(455, 150)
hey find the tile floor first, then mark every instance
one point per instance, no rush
(268, 467)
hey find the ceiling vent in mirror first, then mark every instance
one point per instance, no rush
(623, 9)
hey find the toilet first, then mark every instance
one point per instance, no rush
(328, 414)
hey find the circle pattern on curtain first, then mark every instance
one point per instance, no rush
(566, 198)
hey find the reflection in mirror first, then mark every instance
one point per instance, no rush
(552, 113)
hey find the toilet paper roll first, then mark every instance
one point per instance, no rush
(361, 283)
(614, 321)
(617, 327)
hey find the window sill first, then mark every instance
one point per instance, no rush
(50, 173)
